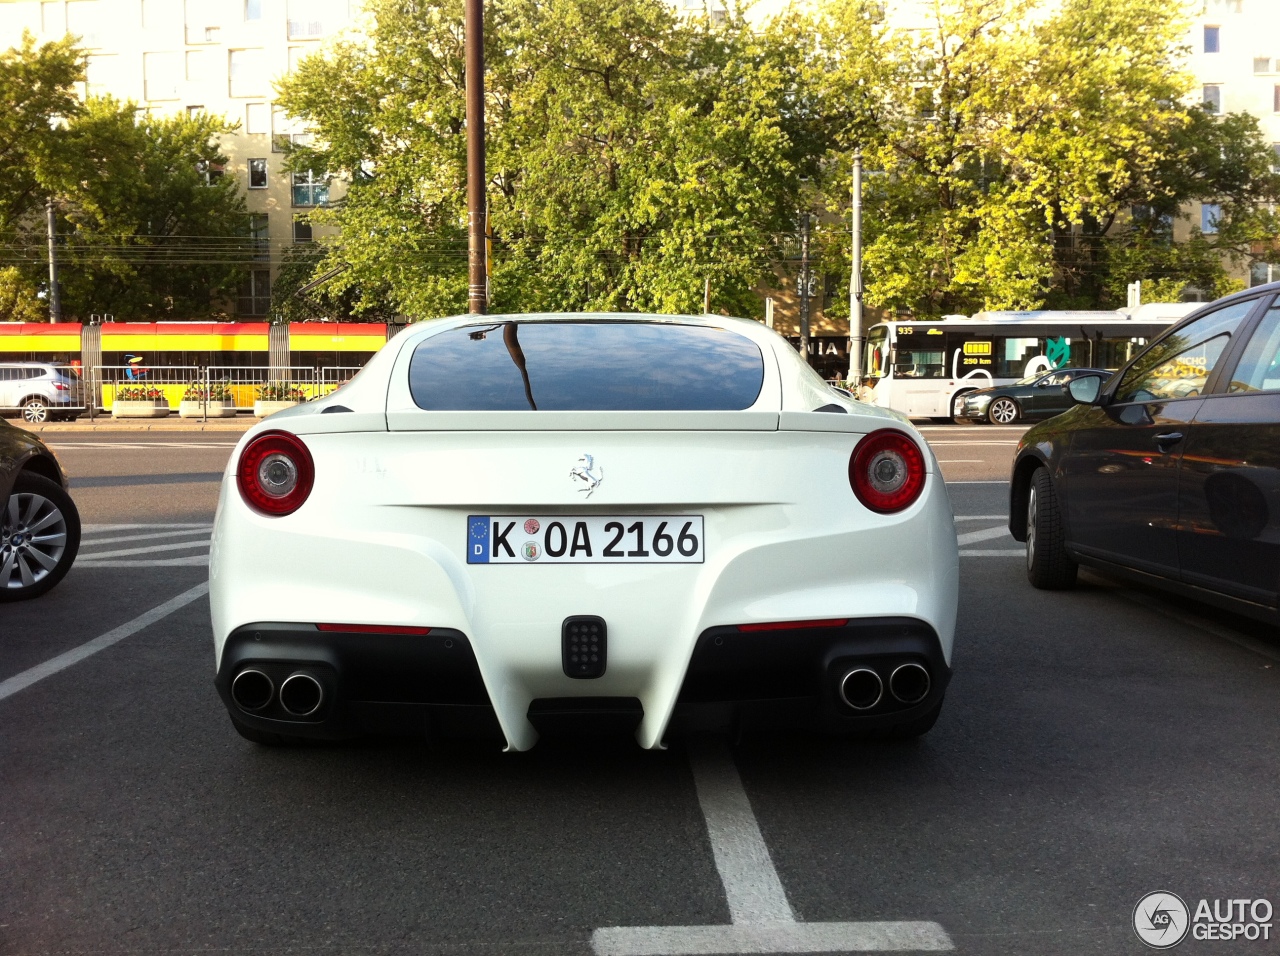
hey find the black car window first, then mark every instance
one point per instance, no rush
(586, 366)
(1179, 364)
(1259, 368)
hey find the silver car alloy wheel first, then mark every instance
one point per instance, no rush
(1004, 411)
(35, 411)
(1031, 527)
(33, 537)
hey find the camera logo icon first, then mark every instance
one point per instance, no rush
(1161, 920)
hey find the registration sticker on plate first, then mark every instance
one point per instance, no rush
(603, 539)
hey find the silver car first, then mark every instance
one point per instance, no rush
(41, 391)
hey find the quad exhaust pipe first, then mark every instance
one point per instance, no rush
(252, 690)
(301, 693)
(862, 688)
(909, 683)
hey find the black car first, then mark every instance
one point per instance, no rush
(1170, 470)
(1036, 397)
(39, 524)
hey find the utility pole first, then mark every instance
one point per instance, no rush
(804, 286)
(55, 298)
(706, 296)
(856, 331)
(477, 280)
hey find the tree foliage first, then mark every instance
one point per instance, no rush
(147, 229)
(632, 154)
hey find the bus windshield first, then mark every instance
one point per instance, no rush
(876, 359)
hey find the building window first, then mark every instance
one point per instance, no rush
(1275, 162)
(194, 111)
(260, 235)
(247, 72)
(199, 21)
(1210, 213)
(1260, 273)
(253, 9)
(160, 76)
(199, 63)
(1212, 97)
(310, 189)
(84, 20)
(301, 229)
(1262, 64)
(312, 19)
(257, 121)
(257, 174)
(1211, 39)
(211, 172)
(255, 293)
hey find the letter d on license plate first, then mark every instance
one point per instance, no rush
(600, 539)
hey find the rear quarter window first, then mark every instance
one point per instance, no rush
(586, 366)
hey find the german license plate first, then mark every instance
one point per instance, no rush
(603, 539)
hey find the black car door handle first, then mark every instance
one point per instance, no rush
(1168, 438)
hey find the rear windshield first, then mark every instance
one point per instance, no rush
(586, 366)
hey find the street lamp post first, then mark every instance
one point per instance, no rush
(856, 332)
(804, 287)
(55, 297)
(477, 280)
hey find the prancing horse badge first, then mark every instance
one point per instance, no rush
(587, 472)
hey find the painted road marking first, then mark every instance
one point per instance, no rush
(26, 678)
(140, 444)
(150, 536)
(986, 534)
(128, 552)
(980, 517)
(96, 528)
(763, 921)
(199, 560)
(992, 553)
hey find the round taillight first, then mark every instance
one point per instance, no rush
(275, 473)
(886, 471)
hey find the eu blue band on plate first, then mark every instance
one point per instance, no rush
(478, 540)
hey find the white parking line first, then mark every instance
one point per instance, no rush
(140, 444)
(986, 534)
(763, 921)
(26, 678)
(126, 552)
(149, 536)
(980, 517)
(992, 553)
(192, 562)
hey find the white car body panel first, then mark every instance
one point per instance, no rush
(382, 537)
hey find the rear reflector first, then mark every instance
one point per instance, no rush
(373, 629)
(791, 625)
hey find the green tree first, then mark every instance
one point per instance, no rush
(19, 301)
(37, 95)
(632, 155)
(150, 226)
(1009, 144)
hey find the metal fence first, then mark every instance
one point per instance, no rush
(47, 391)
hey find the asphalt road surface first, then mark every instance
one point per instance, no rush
(1095, 746)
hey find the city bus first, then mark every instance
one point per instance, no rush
(922, 368)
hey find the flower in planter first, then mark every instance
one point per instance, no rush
(137, 393)
(280, 392)
(215, 392)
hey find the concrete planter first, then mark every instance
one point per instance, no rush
(196, 409)
(263, 408)
(133, 408)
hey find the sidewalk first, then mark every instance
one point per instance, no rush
(105, 423)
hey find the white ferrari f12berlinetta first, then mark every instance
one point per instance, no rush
(532, 523)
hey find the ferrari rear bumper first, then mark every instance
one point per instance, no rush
(431, 683)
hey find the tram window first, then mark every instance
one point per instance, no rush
(914, 363)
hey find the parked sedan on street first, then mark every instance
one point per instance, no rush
(39, 524)
(1171, 471)
(564, 520)
(1036, 397)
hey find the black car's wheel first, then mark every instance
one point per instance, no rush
(957, 406)
(1048, 564)
(1003, 411)
(39, 537)
(35, 411)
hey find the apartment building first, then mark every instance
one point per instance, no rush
(220, 56)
